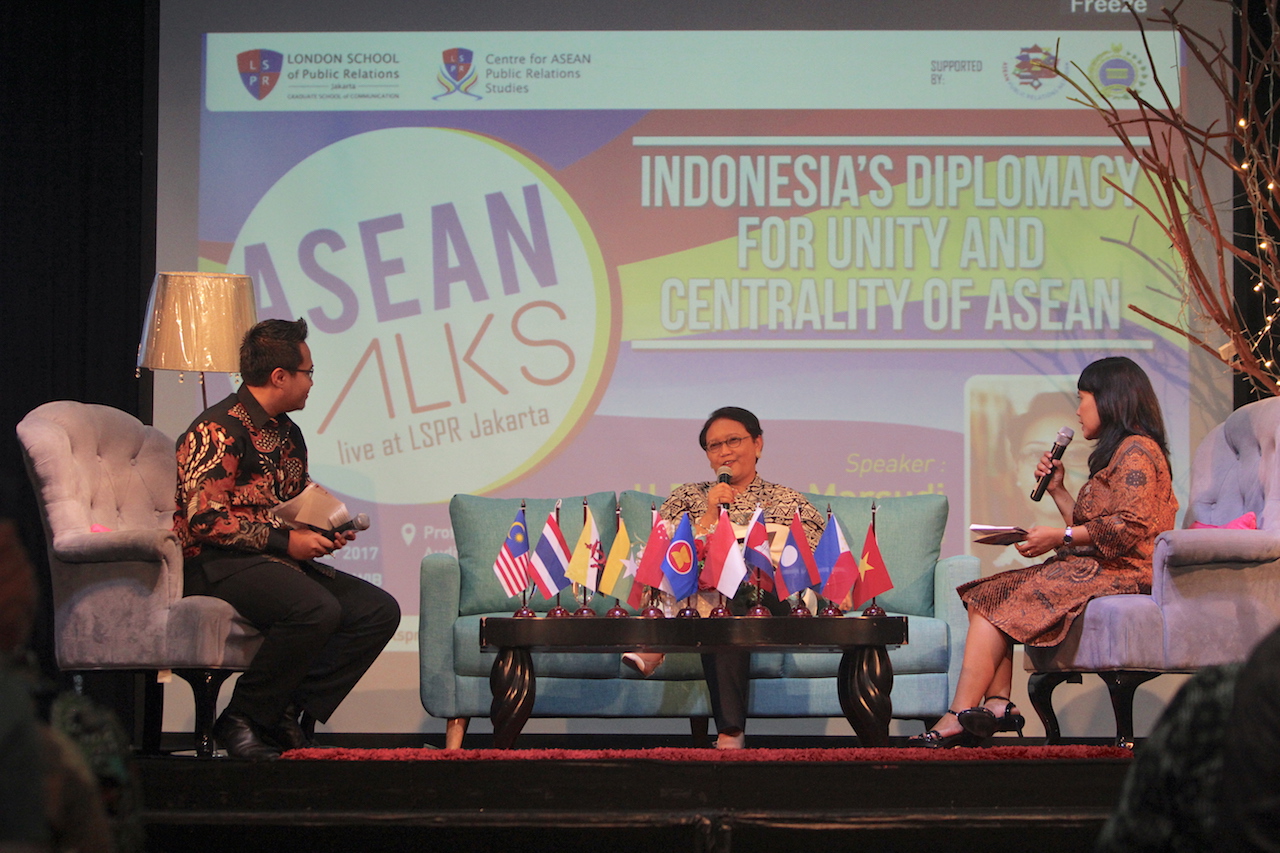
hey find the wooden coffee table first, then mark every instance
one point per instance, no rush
(864, 681)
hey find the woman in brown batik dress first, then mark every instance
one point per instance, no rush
(1104, 548)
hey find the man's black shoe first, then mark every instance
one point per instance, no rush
(239, 737)
(288, 733)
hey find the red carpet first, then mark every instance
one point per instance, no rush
(886, 755)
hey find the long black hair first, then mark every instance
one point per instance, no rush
(1127, 405)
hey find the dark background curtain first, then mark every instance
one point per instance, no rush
(77, 220)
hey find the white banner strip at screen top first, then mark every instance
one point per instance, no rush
(271, 72)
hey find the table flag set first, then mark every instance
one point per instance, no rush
(674, 561)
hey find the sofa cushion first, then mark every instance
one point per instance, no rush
(909, 532)
(480, 527)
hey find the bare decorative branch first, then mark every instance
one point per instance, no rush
(1177, 156)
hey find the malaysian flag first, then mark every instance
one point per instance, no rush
(512, 564)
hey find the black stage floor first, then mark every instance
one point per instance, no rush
(193, 805)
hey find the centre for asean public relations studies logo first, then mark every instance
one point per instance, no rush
(260, 70)
(1033, 73)
(457, 74)
(1116, 72)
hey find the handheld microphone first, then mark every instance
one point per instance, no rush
(723, 474)
(1059, 447)
(356, 522)
(359, 522)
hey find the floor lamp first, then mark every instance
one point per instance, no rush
(195, 322)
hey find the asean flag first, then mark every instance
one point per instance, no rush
(680, 564)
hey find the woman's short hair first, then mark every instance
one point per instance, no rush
(731, 413)
(268, 345)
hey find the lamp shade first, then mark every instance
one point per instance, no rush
(196, 320)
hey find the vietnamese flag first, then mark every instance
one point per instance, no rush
(873, 576)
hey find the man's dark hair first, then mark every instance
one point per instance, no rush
(268, 345)
(731, 413)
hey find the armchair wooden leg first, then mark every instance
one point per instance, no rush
(699, 726)
(205, 684)
(1122, 684)
(454, 730)
(1040, 689)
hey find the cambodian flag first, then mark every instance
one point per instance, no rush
(550, 556)
(755, 549)
(680, 565)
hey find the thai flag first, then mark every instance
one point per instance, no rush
(550, 557)
(512, 564)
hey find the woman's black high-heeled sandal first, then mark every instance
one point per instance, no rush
(979, 722)
(933, 740)
(1011, 720)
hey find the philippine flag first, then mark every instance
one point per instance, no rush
(835, 562)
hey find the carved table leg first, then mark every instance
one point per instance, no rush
(864, 684)
(512, 683)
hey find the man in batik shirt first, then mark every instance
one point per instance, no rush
(322, 628)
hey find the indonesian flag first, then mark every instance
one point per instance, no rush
(680, 563)
(755, 551)
(724, 568)
(835, 562)
(550, 557)
(796, 569)
(587, 561)
(512, 564)
(873, 575)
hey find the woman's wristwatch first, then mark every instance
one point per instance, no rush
(1066, 536)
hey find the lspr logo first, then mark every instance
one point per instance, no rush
(457, 74)
(260, 71)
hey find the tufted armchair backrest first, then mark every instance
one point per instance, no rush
(98, 465)
(1236, 468)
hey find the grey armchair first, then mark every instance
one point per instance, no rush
(105, 485)
(1215, 593)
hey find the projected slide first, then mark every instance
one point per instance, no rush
(532, 262)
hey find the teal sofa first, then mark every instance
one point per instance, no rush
(457, 592)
